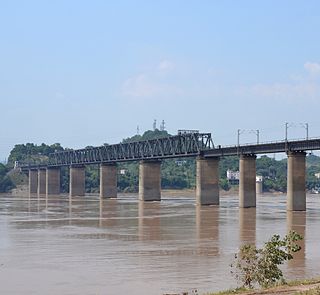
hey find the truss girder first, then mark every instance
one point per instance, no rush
(169, 147)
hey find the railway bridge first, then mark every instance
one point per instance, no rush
(45, 178)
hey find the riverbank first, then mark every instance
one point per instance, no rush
(301, 287)
(298, 287)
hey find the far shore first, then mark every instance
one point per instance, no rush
(22, 189)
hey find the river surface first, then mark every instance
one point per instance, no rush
(123, 246)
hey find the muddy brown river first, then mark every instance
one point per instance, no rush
(122, 246)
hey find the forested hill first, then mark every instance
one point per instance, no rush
(32, 153)
(147, 135)
(6, 183)
(176, 173)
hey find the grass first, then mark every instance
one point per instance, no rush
(231, 291)
(294, 283)
(315, 291)
(303, 282)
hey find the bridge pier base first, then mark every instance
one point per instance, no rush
(77, 181)
(296, 181)
(150, 181)
(108, 180)
(42, 181)
(247, 185)
(53, 181)
(33, 181)
(207, 181)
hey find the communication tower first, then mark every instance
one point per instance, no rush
(154, 124)
(162, 126)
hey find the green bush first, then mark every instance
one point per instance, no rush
(260, 266)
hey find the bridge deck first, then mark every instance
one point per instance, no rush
(266, 148)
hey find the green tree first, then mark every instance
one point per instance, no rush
(5, 182)
(260, 266)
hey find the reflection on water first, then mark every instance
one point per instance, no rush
(107, 212)
(149, 221)
(247, 225)
(207, 225)
(297, 221)
(88, 245)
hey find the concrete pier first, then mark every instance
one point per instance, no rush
(33, 181)
(247, 185)
(207, 181)
(53, 181)
(150, 181)
(42, 181)
(259, 187)
(296, 181)
(77, 181)
(108, 181)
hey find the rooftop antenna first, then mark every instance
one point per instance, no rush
(162, 126)
(154, 124)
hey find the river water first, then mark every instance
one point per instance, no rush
(122, 246)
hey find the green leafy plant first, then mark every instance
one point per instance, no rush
(260, 266)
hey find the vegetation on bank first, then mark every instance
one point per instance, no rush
(260, 266)
(296, 287)
(6, 183)
(176, 173)
(257, 269)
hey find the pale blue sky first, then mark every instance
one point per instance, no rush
(88, 72)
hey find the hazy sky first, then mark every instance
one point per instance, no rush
(88, 72)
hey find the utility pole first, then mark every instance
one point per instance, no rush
(306, 127)
(239, 137)
(303, 125)
(255, 131)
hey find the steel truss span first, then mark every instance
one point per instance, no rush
(182, 145)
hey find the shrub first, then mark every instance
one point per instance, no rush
(260, 266)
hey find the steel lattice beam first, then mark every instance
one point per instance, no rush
(182, 145)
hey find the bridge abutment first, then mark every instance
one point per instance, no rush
(77, 181)
(247, 185)
(207, 181)
(150, 180)
(33, 181)
(296, 181)
(42, 181)
(53, 181)
(108, 180)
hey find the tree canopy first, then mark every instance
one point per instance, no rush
(5, 182)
